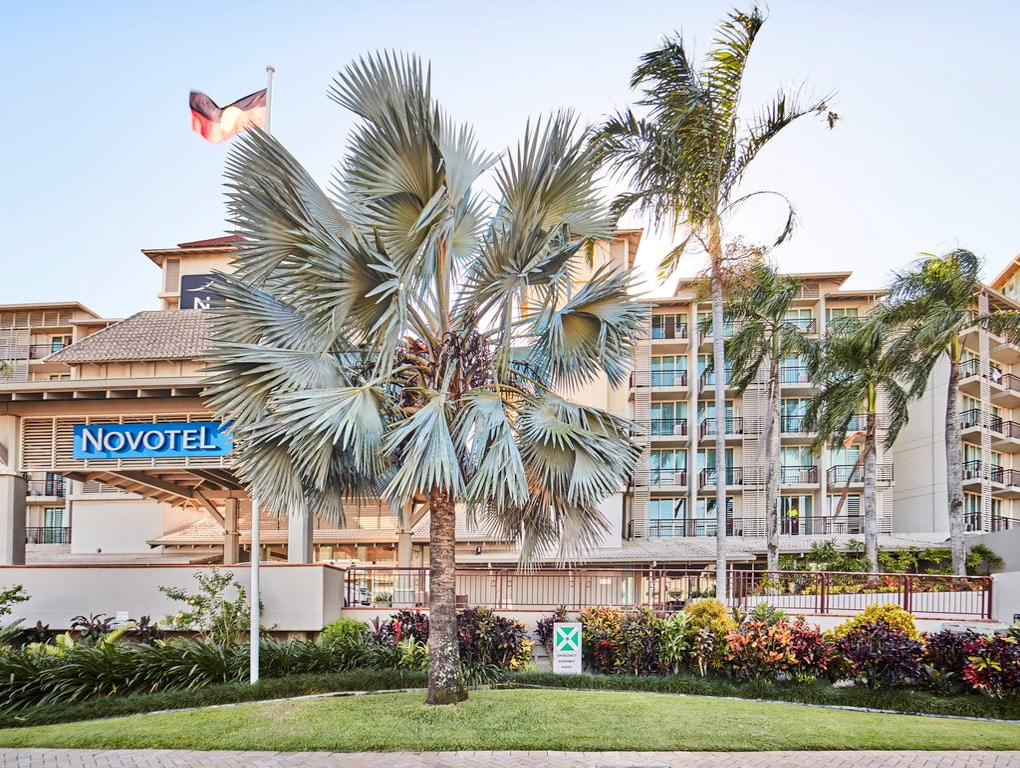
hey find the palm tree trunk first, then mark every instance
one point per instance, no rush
(715, 255)
(954, 470)
(444, 656)
(773, 469)
(871, 491)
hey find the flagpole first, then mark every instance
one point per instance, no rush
(270, 72)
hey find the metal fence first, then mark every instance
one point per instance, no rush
(664, 589)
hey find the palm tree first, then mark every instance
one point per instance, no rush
(403, 339)
(851, 366)
(931, 304)
(686, 160)
(763, 339)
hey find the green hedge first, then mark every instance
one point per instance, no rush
(230, 693)
(818, 692)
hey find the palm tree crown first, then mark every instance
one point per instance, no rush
(404, 337)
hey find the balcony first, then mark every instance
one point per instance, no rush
(821, 525)
(1005, 388)
(708, 379)
(843, 474)
(676, 377)
(39, 351)
(971, 420)
(705, 337)
(734, 477)
(804, 324)
(685, 527)
(794, 375)
(1008, 479)
(48, 535)
(667, 478)
(734, 426)
(668, 329)
(54, 488)
(1005, 434)
(669, 427)
(798, 475)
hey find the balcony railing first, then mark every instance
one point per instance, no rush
(969, 368)
(972, 470)
(805, 324)
(708, 378)
(821, 525)
(687, 527)
(844, 473)
(794, 374)
(668, 328)
(1010, 429)
(1007, 477)
(734, 426)
(660, 477)
(791, 424)
(669, 589)
(729, 329)
(734, 476)
(676, 377)
(971, 418)
(972, 367)
(39, 351)
(48, 535)
(798, 475)
(55, 488)
(669, 427)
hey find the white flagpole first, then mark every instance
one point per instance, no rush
(256, 544)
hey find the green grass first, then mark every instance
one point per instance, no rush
(521, 719)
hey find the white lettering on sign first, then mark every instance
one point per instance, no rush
(142, 440)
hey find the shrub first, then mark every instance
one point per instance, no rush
(758, 650)
(808, 644)
(710, 615)
(765, 612)
(600, 638)
(210, 611)
(890, 613)
(638, 652)
(945, 656)
(342, 629)
(11, 596)
(408, 624)
(544, 627)
(880, 654)
(993, 665)
(674, 641)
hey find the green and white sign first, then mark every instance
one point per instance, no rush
(567, 648)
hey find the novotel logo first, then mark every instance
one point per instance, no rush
(143, 441)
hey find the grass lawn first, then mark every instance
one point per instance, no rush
(521, 719)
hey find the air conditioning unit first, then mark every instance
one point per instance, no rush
(679, 429)
(679, 381)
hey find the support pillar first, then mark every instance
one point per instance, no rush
(407, 581)
(231, 536)
(13, 491)
(299, 539)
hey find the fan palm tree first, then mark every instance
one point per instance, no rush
(931, 304)
(851, 366)
(686, 160)
(763, 339)
(406, 337)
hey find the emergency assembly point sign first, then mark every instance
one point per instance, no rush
(567, 649)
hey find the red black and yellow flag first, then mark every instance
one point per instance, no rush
(219, 124)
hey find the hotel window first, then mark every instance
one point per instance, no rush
(704, 522)
(669, 371)
(669, 325)
(972, 511)
(60, 377)
(667, 518)
(667, 467)
(849, 519)
(793, 410)
(669, 417)
(704, 361)
(706, 317)
(795, 516)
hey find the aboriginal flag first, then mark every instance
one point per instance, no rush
(218, 124)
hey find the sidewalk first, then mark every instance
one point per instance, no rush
(152, 758)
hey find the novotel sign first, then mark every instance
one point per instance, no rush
(146, 441)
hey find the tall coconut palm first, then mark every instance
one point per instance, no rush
(686, 159)
(763, 339)
(851, 366)
(403, 338)
(931, 304)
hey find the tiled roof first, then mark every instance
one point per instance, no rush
(213, 242)
(175, 334)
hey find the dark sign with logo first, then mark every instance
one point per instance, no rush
(197, 291)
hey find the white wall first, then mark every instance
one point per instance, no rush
(123, 525)
(295, 598)
(1006, 544)
(1005, 596)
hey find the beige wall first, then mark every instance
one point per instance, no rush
(123, 525)
(59, 593)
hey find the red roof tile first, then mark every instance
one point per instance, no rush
(212, 242)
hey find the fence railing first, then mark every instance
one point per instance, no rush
(662, 589)
(55, 488)
(48, 535)
(825, 525)
(734, 476)
(798, 475)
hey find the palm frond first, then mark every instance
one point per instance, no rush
(427, 455)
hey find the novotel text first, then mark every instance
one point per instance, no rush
(93, 441)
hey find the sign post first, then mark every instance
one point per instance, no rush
(567, 648)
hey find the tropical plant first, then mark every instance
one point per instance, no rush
(544, 627)
(931, 304)
(675, 639)
(11, 596)
(890, 613)
(768, 614)
(763, 339)
(211, 611)
(710, 616)
(686, 160)
(851, 367)
(343, 629)
(601, 631)
(404, 339)
(879, 654)
(993, 665)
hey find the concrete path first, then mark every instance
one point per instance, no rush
(153, 758)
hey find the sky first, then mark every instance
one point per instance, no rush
(100, 161)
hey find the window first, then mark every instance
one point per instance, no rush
(706, 317)
(704, 522)
(667, 518)
(793, 370)
(796, 456)
(669, 417)
(669, 325)
(849, 519)
(668, 467)
(795, 516)
(972, 511)
(843, 455)
(706, 360)
(832, 313)
(60, 377)
(57, 343)
(669, 371)
(802, 318)
(792, 411)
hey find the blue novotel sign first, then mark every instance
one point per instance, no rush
(151, 441)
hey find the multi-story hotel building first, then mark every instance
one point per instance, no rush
(70, 368)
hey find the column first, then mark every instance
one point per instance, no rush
(299, 538)
(231, 537)
(12, 494)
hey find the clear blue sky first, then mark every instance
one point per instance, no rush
(99, 160)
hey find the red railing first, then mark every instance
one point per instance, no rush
(662, 589)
